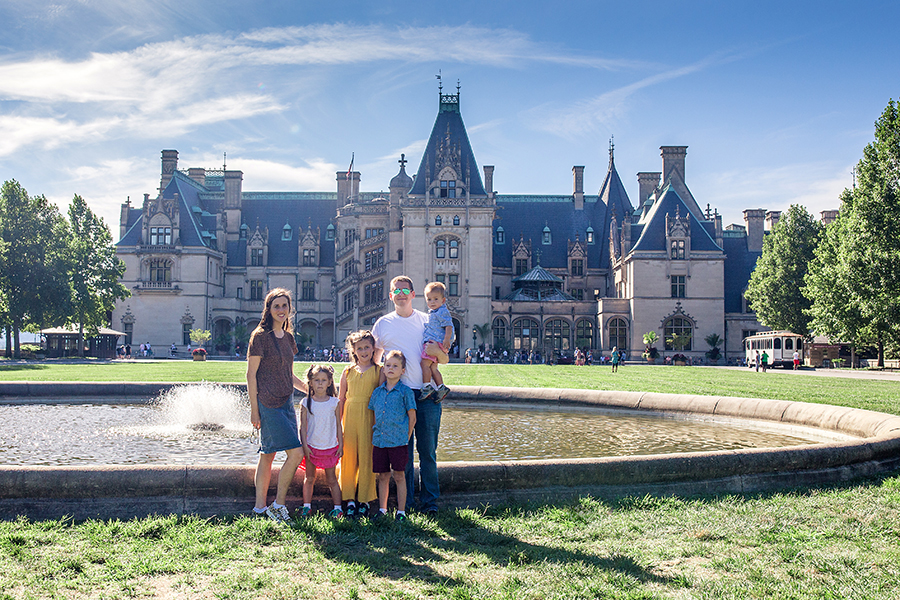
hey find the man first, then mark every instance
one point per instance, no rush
(403, 330)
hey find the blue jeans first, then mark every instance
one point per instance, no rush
(425, 441)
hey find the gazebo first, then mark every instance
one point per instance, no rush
(63, 341)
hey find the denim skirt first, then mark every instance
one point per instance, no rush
(278, 428)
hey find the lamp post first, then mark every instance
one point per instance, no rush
(474, 337)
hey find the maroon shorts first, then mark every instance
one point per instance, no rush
(385, 459)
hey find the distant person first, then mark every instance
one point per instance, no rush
(394, 406)
(796, 360)
(321, 436)
(358, 381)
(127, 351)
(270, 386)
(764, 361)
(173, 349)
(615, 359)
(756, 360)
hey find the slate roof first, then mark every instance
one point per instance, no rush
(448, 123)
(739, 264)
(650, 232)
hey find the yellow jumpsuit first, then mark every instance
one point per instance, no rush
(356, 463)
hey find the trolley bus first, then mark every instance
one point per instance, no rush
(779, 345)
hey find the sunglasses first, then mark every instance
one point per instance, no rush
(404, 291)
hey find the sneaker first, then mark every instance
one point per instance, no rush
(400, 517)
(336, 513)
(377, 515)
(427, 392)
(441, 393)
(351, 511)
(362, 511)
(279, 515)
(258, 513)
(304, 511)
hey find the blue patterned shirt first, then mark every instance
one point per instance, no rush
(391, 418)
(438, 319)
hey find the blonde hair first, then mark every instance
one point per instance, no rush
(355, 338)
(396, 354)
(436, 285)
(266, 321)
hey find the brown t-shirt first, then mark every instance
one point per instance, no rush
(273, 378)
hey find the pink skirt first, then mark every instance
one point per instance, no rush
(322, 459)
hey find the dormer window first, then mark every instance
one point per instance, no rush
(244, 230)
(589, 235)
(499, 235)
(286, 233)
(256, 257)
(677, 249)
(448, 188)
(438, 220)
(160, 236)
(546, 238)
(329, 233)
(456, 219)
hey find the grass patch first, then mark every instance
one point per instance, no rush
(836, 542)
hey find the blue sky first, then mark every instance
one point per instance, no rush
(775, 100)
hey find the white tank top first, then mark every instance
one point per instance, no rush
(321, 424)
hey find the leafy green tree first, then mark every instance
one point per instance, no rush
(95, 270)
(34, 282)
(775, 285)
(855, 283)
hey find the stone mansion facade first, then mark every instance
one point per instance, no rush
(529, 271)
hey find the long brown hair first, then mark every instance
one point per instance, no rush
(356, 337)
(312, 372)
(266, 321)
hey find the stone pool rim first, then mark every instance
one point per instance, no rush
(205, 490)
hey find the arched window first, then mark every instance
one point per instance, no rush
(454, 248)
(557, 334)
(618, 334)
(499, 328)
(788, 343)
(681, 327)
(525, 334)
(438, 220)
(546, 239)
(440, 248)
(456, 219)
(499, 236)
(584, 334)
(778, 343)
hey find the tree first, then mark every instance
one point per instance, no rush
(650, 351)
(200, 336)
(863, 254)
(34, 282)
(95, 271)
(774, 290)
(713, 340)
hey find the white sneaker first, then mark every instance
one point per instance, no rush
(279, 515)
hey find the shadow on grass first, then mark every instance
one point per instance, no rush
(23, 367)
(413, 549)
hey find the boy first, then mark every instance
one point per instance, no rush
(394, 406)
(438, 330)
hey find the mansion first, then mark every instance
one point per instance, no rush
(527, 271)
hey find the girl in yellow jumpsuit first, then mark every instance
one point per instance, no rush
(358, 381)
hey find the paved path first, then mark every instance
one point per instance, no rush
(846, 373)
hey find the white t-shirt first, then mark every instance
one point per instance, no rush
(393, 332)
(321, 424)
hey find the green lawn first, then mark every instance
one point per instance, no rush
(858, 393)
(833, 542)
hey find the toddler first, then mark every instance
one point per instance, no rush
(439, 331)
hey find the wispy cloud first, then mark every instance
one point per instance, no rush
(172, 87)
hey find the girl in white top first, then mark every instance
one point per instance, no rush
(321, 435)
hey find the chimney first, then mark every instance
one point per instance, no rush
(828, 216)
(648, 182)
(169, 164)
(772, 218)
(198, 174)
(343, 188)
(754, 219)
(123, 217)
(233, 184)
(489, 179)
(578, 192)
(673, 161)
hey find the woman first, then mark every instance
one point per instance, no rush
(270, 385)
